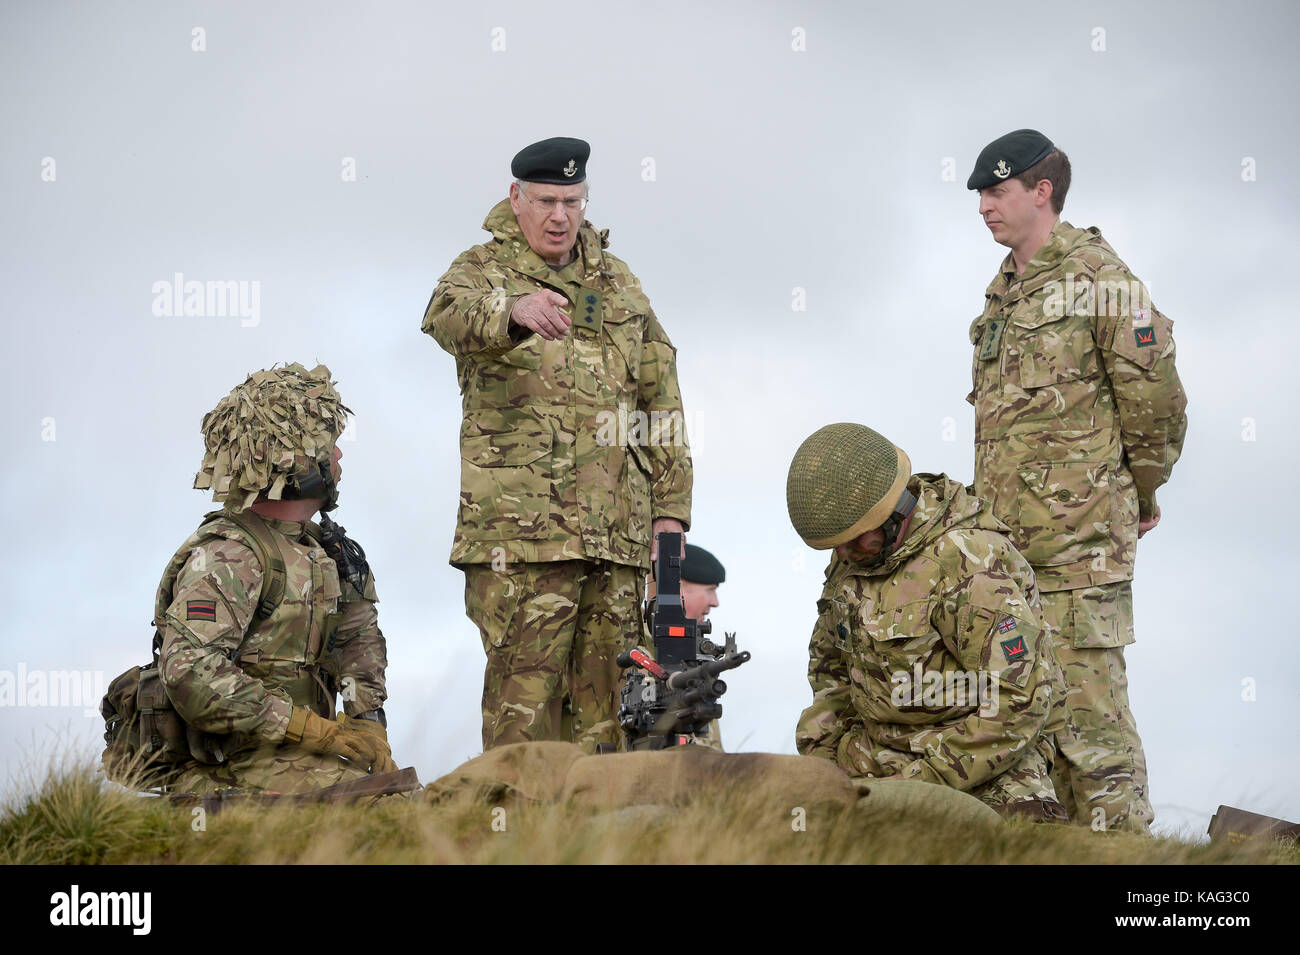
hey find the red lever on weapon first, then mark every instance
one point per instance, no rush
(646, 662)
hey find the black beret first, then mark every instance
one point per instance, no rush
(560, 160)
(1008, 156)
(701, 567)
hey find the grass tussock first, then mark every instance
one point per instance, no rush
(74, 817)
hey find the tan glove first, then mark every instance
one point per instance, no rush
(383, 761)
(329, 738)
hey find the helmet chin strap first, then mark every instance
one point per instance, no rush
(892, 527)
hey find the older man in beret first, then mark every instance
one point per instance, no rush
(701, 575)
(573, 451)
(1079, 418)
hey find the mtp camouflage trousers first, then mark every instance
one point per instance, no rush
(282, 769)
(1100, 772)
(552, 633)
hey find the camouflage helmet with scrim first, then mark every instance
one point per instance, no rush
(274, 435)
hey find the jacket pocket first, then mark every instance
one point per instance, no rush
(505, 483)
(626, 328)
(527, 354)
(1050, 350)
(902, 639)
(636, 494)
(901, 635)
(1064, 513)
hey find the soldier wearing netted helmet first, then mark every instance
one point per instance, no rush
(264, 618)
(928, 660)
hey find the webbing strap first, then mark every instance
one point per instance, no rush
(273, 570)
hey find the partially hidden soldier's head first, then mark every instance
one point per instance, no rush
(847, 490)
(701, 575)
(549, 194)
(274, 436)
(1019, 175)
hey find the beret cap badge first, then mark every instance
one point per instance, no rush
(561, 160)
(1016, 152)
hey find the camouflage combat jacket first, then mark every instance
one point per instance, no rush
(1078, 408)
(569, 449)
(228, 672)
(934, 665)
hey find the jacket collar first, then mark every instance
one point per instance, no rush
(515, 251)
(941, 504)
(1062, 240)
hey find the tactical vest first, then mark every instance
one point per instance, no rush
(288, 645)
(290, 641)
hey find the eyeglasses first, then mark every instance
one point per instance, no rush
(548, 204)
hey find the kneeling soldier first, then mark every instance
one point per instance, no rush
(929, 659)
(263, 616)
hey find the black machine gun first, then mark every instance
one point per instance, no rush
(670, 699)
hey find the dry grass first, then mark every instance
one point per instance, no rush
(74, 817)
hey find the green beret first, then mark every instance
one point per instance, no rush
(560, 160)
(701, 567)
(1008, 156)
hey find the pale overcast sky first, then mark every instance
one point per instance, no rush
(740, 152)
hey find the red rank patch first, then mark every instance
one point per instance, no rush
(1014, 649)
(200, 610)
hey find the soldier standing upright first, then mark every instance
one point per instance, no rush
(573, 451)
(260, 627)
(1079, 418)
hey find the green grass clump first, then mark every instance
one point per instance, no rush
(74, 817)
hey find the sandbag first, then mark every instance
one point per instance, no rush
(551, 772)
(895, 798)
(676, 776)
(529, 771)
